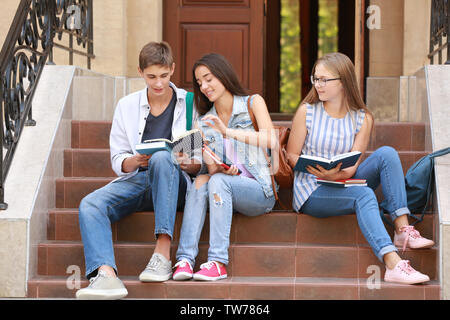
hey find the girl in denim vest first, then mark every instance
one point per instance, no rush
(245, 187)
(333, 120)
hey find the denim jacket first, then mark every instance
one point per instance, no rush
(251, 156)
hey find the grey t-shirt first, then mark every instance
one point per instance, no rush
(160, 126)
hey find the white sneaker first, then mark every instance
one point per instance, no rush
(103, 287)
(158, 269)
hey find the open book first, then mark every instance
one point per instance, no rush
(187, 143)
(348, 159)
(343, 183)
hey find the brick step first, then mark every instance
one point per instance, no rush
(249, 288)
(403, 136)
(276, 227)
(87, 163)
(248, 260)
(97, 163)
(70, 190)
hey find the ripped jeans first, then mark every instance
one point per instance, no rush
(224, 194)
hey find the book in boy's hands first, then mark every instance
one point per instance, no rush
(187, 143)
(348, 159)
(343, 183)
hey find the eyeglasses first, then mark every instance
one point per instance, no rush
(322, 82)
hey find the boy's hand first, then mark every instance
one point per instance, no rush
(132, 163)
(191, 166)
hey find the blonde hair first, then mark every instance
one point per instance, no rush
(341, 66)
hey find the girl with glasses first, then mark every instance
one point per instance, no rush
(332, 120)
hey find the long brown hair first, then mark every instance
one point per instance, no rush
(341, 66)
(223, 71)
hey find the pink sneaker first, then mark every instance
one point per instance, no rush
(405, 274)
(411, 238)
(183, 271)
(211, 271)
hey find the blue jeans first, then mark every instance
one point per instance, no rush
(384, 167)
(224, 194)
(161, 188)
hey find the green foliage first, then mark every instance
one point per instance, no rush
(328, 26)
(290, 68)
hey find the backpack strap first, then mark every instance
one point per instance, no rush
(189, 110)
(272, 177)
(429, 191)
(439, 153)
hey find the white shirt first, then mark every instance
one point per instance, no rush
(129, 122)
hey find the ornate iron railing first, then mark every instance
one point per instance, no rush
(440, 31)
(27, 47)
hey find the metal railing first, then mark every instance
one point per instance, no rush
(440, 31)
(27, 47)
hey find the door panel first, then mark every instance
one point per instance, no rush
(199, 39)
(233, 28)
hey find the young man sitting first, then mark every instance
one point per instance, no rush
(145, 183)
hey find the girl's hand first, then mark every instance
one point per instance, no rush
(321, 173)
(216, 124)
(233, 171)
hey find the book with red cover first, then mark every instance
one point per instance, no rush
(343, 183)
(216, 159)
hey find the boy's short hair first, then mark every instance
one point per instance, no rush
(155, 53)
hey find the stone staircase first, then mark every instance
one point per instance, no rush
(281, 255)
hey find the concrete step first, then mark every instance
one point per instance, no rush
(249, 288)
(403, 136)
(276, 227)
(248, 260)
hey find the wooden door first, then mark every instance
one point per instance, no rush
(233, 28)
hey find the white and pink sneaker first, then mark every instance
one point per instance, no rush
(211, 271)
(411, 238)
(405, 274)
(183, 271)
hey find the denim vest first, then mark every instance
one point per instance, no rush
(250, 156)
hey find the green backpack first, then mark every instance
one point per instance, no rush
(189, 107)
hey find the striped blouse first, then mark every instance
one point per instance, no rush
(326, 137)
